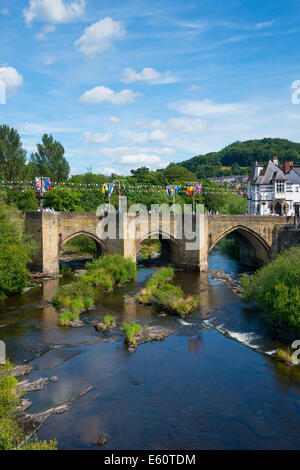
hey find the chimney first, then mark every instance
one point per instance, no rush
(275, 160)
(258, 168)
(287, 166)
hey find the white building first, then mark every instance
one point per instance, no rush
(274, 190)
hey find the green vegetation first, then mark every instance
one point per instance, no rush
(130, 330)
(119, 269)
(11, 434)
(15, 252)
(81, 245)
(276, 288)
(81, 294)
(284, 355)
(149, 247)
(67, 317)
(161, 292)
(239, 156)
(109, 320)
(230, 247)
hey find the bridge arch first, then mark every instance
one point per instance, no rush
(169, 244)
(254, 249)
(100, 249)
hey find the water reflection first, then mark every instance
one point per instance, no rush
(197, 389)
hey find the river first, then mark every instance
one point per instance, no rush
(213, 384)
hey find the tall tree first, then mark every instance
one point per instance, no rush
(12, 154)
(50, 160)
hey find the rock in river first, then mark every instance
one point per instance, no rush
(147, 335)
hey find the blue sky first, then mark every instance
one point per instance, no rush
(138, 83)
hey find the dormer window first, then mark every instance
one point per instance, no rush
(280, 186)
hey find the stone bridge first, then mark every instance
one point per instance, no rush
(186, 241)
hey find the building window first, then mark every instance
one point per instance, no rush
(280, 187)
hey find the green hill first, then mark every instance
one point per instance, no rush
(239, 156)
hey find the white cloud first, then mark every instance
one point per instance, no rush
(100, 94)
(54, 11)
(206, 107)
(11, 78)
(114, 119)
(48, 28)
(188, 125)
(116, 152)
(149, 160)
(4, 11)
(28, 128)
(99, 36)
(264, 24)
(97, 137)
(143, 137)
(109, 171)
(149, 75)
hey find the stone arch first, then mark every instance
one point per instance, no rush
(169, 245)
(254, 250)
(99, 243)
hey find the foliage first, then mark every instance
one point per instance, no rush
(284, 355)
(81, 245)
(243, 154)
(233, 204)
(35, 444)
(161, 291)
(99, 278)
(130, 330)
(49, 160)
(67, 316)
(24, 201)
(276, 288)
(109, 320)
(60, 199)
(11, 434)
(120, 269)
(15, 252)
(12, 154)
(150, 246)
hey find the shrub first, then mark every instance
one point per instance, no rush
(67, 316)
(276, 288)
(88, 302)
(77, 306)
(15, 253)
(99, 278)
(11, 434)
(121, 270)
(160, 291)
(130, 330)
(81, 245)
(109, 320)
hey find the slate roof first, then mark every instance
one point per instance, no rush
(270, 173)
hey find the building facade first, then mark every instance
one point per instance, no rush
(274, 189)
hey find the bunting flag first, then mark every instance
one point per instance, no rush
(190, 189)
(45, 184)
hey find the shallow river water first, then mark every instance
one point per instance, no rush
(212, 384)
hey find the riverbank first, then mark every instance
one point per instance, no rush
(195, 362)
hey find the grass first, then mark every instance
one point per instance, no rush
(149, 247)
(102, 273)
(11, 434)
(109, 320)
(130, 330)
(161, 292)
(66, 317)
(284, 355)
